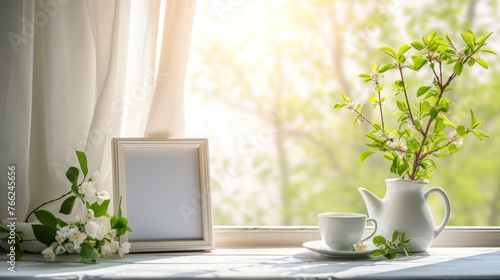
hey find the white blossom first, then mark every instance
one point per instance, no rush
(90, 215)
(104, 227)
(76, 237)
(95, 178)
(70, 248)
(457, 140)
(360, 247)
(106, 250)
(114, 245)
(64, 229)
(376, 79)
(436, 56)
(411, 125)
(60, 250)
(408, 61)
(92, 229)
(350, 107)
(87, 189)
(48, 254)
(399, 148)
(101, 196)
(61, 236)
(124, 249)
(112, 234)
(78, 248)
(461, 54)
(384, 135)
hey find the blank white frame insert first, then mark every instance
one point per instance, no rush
(165, 190)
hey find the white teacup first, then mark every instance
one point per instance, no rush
(340, 230)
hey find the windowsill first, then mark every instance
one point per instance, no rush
(267, 263)
(289, 236)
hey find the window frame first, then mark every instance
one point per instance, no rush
(295, 236)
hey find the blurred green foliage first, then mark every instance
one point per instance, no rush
(264, 75)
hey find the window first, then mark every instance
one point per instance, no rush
(262, 80)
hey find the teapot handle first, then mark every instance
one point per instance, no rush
(446, 200)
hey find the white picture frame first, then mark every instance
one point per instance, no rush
(164, 185)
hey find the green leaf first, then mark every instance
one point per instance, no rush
(431, 36)
(413, 145)
(120, 208)
(378, 240)
(386, 67)
(472, 118)
(482, 62)
(488, 51)
(452, 148)
(477, 124)
(364, 75)
(61, 223)
(439, 126)
(434, 113)
(377, 126)
(44, 234)
(402, 168)
(389, 51)
(417, 45)
(46, 218)
(468, 38)
(418, 62)
(450, 123)
(67, 205)
(402, 105)
(113, 221)
(480, 135)
(457, 69)
(72, 175)
(74, 189)
(422, 90)
(18, 251)
(389, 156)
(89, 253)
(364, 155)
(3, 229)
(100, 209)
(461, 131)
(82, 159)
(376, 254)
(394, 236)
(403, 49)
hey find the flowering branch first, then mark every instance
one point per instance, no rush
(408, 152)
(45, 203)
(94, 235)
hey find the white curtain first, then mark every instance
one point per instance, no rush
(76, 73)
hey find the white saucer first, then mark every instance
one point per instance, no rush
(319, 246)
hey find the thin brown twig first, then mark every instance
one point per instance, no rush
(43, 204)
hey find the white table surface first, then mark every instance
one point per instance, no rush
(264, 263)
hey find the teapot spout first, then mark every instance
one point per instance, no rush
(372, 202)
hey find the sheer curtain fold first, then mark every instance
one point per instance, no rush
(16, 57)
(171, 73)
(74, 85)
